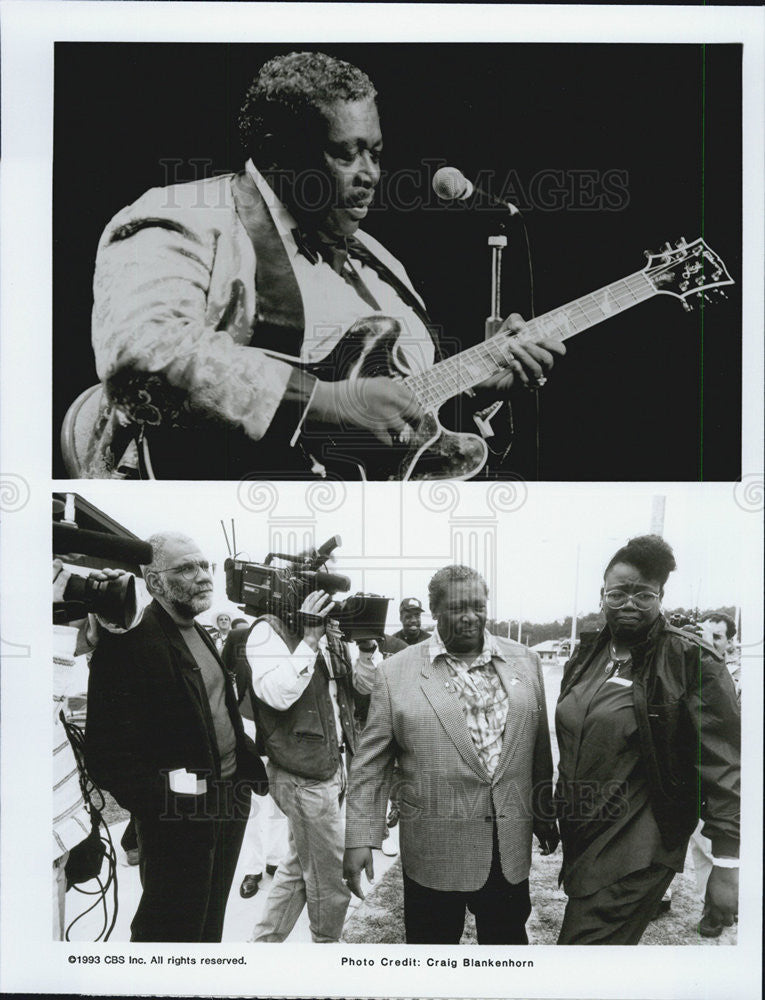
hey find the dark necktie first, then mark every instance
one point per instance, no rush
(320, 664)
(335, 253)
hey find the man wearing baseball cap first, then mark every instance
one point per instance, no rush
(410, 613)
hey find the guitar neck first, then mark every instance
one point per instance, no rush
(468, 368)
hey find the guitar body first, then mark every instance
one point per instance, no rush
(370, 349)
(433, 453)
(213, 450)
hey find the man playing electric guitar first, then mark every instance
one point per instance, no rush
(216, 303)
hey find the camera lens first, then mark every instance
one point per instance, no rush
(113, 600)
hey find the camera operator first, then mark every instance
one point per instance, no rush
(301, 678)
(71, 818)
(164, 736)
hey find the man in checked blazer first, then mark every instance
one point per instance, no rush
(464, 714)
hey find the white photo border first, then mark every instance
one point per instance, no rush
(30, 961)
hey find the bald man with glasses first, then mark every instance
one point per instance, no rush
(165, 737)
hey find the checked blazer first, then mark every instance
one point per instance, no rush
(447, 799)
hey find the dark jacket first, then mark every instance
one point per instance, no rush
(689, 728)
(303, 738)
(421, 636)
(148, 714)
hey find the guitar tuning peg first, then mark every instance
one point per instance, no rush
(687, 306)
(681, 244)
(667, 247)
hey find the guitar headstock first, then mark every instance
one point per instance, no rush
(687, 269)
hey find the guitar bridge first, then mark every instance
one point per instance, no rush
(317, 468)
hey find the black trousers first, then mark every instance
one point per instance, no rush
(618, 913)
(435, 916)
(129, 839)
(187, 862)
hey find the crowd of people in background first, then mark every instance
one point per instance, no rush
(440, 734)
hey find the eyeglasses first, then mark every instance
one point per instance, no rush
(618, 598)
(188, 570)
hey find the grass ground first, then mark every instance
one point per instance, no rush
(112, 812)
(380, 918)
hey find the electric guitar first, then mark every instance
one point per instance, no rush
(432, 451)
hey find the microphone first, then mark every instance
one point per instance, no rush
(450, 184)
(329, 546)
(331, 582)
(69, 538)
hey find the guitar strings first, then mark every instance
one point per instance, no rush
(454, 375)
(448, 378)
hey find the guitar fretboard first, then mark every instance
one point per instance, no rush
(468, 368)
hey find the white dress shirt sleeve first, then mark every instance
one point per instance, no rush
(278, 676)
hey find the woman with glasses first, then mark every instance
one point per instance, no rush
(649, 735)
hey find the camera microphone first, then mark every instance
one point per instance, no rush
(67, 538)
(329, 547)
(331, 582)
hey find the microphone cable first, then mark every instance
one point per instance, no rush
(532, 315)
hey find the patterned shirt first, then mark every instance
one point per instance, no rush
(481, 693)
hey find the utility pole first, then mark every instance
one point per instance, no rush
(576, 599)
(658, 506)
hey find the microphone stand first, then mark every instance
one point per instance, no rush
(494, 319)
(493, 322)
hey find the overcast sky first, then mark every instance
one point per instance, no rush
(524, 538)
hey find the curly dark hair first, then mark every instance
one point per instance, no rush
(450, 574)
(648, 553)
(721, 616)
(282, 108)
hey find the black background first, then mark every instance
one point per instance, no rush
(654, 394)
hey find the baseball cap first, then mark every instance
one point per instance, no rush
(410, 604)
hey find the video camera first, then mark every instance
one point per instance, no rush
(261, 588)
(113, 600)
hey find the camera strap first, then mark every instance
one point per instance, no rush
(320, 664)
